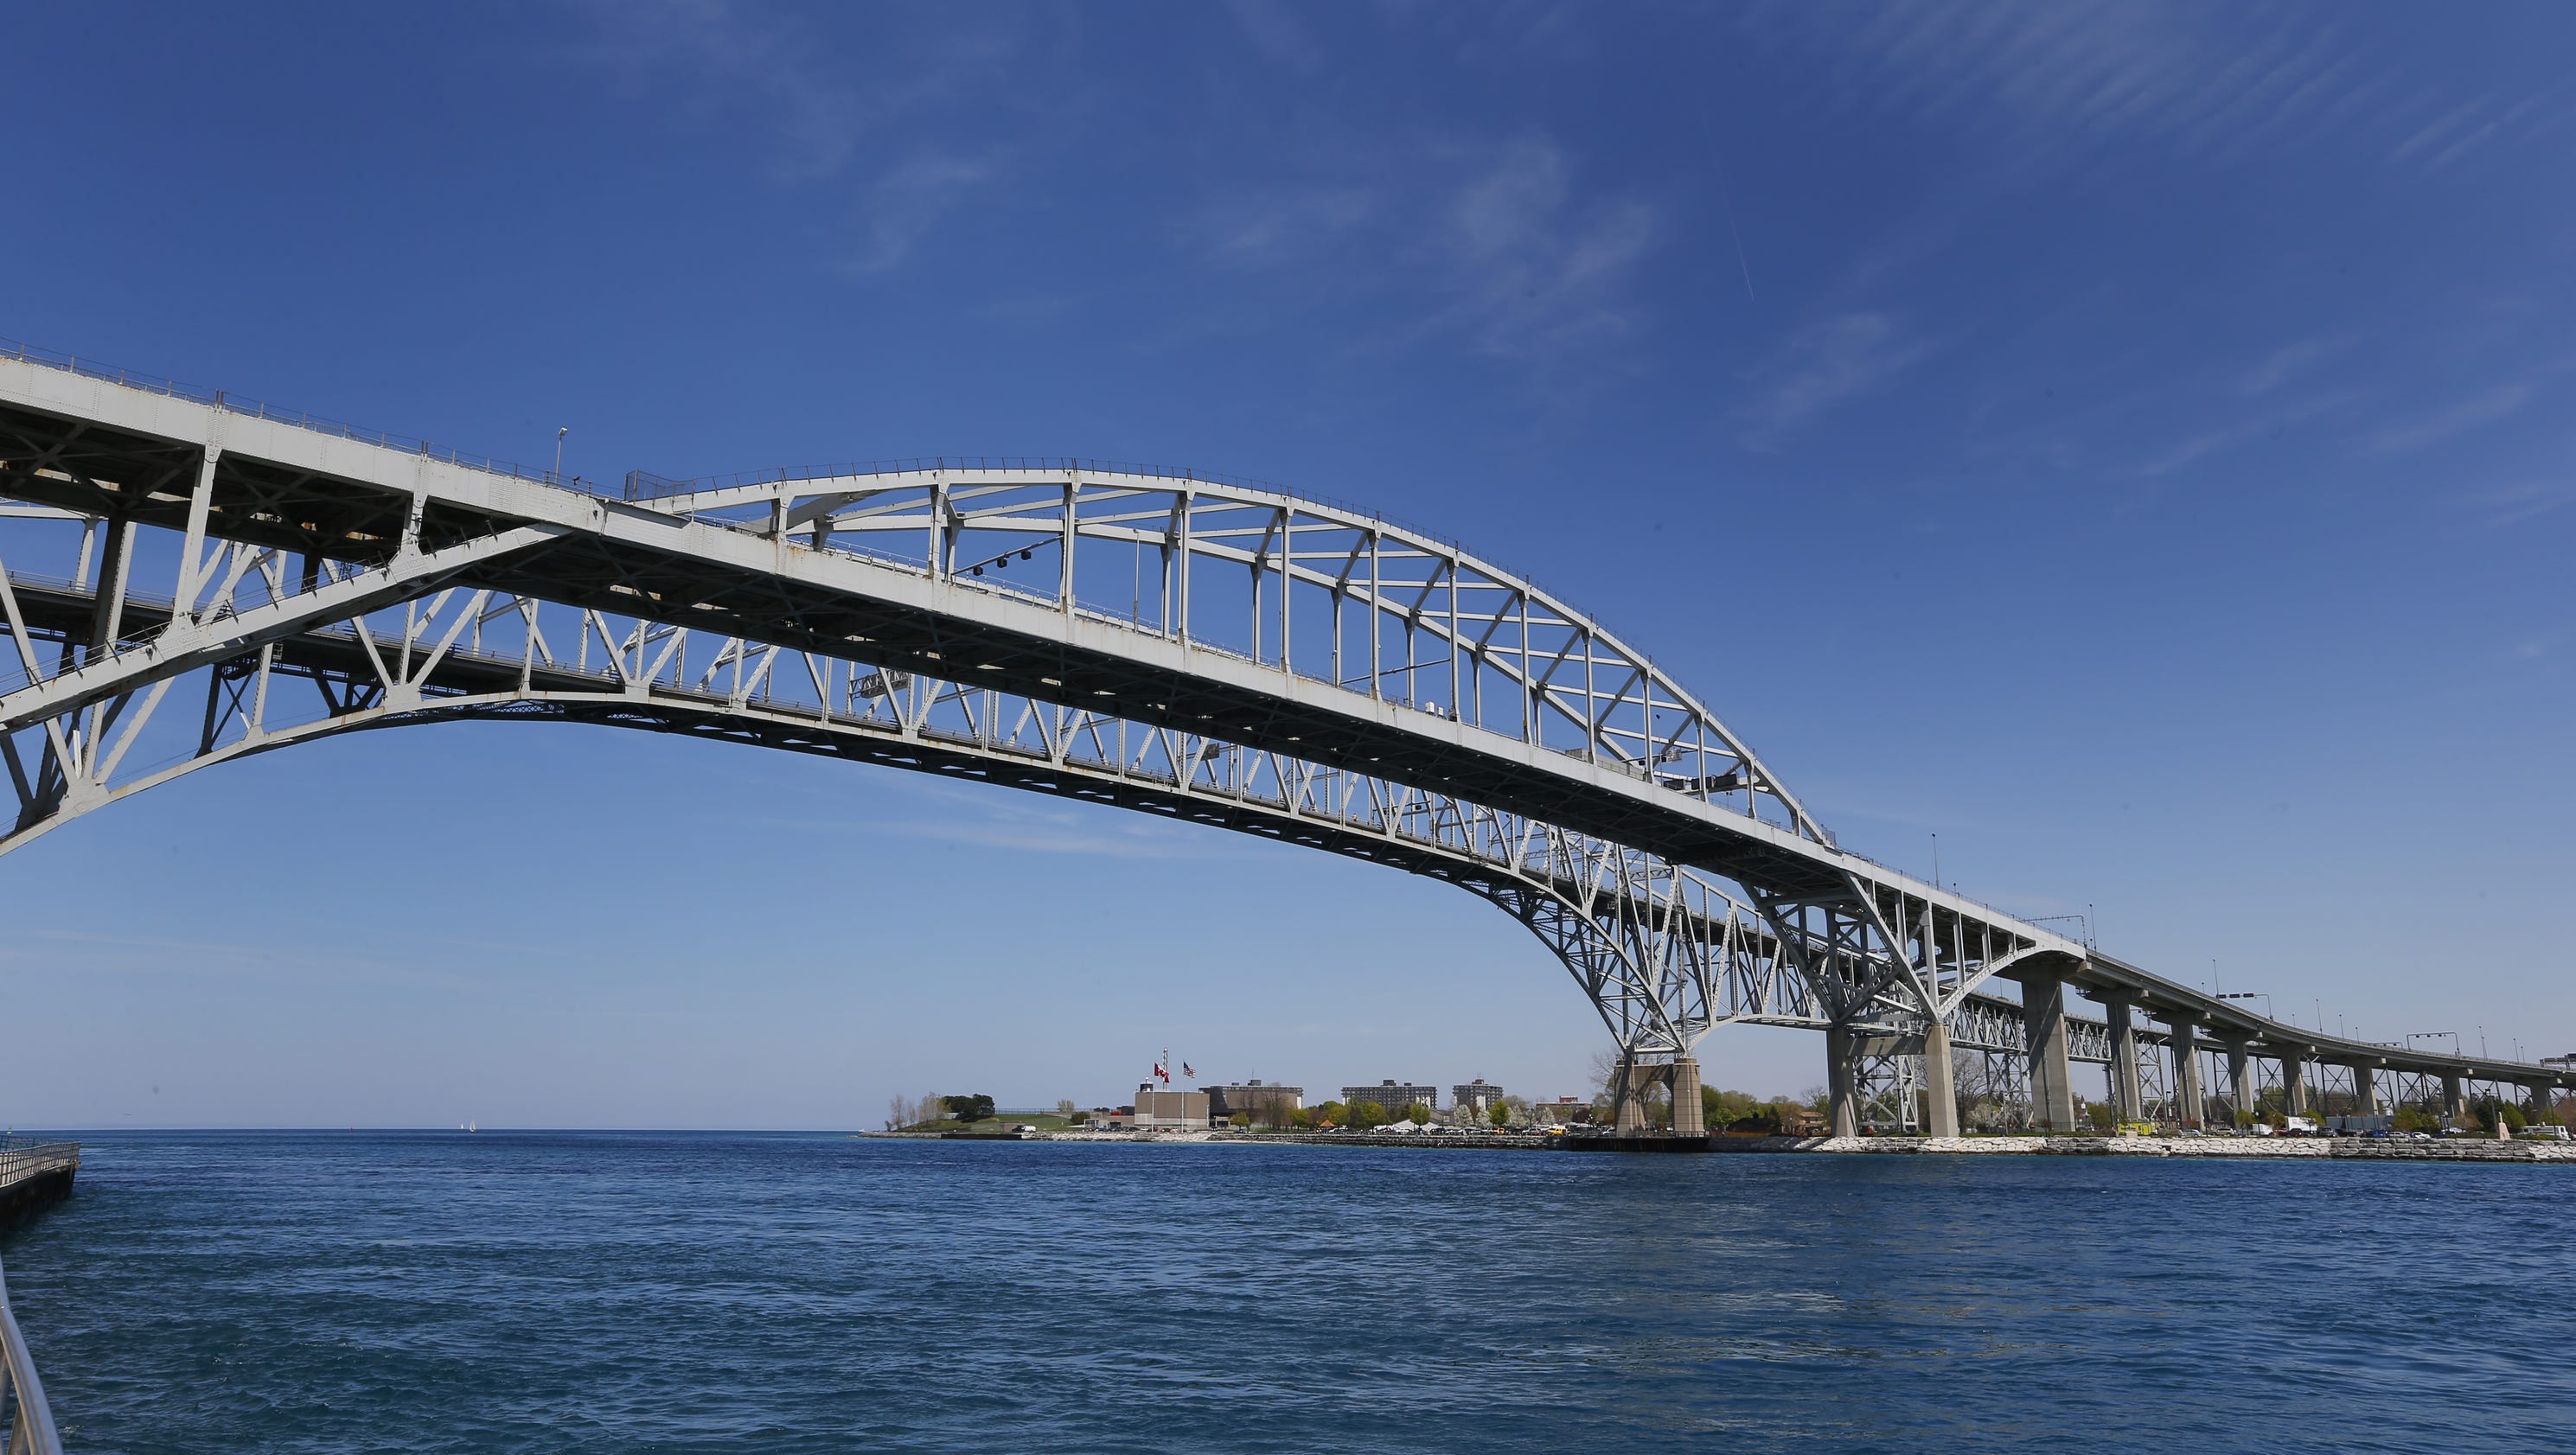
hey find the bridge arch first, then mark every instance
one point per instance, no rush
(1400, 697)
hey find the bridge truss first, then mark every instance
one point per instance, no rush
(1201, 648)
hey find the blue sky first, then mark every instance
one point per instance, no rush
(2131, 442)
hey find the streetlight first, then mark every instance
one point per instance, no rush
(2248, 995)
(559, 439)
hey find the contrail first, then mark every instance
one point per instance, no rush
(1718, 170)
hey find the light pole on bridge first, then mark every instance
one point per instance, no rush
(2262, 996)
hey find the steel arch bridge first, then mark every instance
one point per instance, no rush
(1205, 648)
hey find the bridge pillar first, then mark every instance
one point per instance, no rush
(2043, 1016)
(1940, 1087)
(1689, 1117)
(2127, 1102)
(2190, 1109)
(2455, 1098)
(2536, 1100)
(2294, 1082)
(2240, 1082)
(1630, 1097)
(1842, 1080)
(2365, 1092)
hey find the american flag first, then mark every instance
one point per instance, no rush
(1186, 1071)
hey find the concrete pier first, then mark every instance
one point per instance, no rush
(2052, 1086)
(2240, 1080)
(1631, 1096)
(2127, 1101)
(1940, 1089)
(1842, 1080)
(2294, 1082)
(2190, 1108)
(1690, 1119)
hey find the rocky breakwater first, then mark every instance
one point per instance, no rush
(2357, 1148)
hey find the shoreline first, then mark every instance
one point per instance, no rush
(2360, 1149)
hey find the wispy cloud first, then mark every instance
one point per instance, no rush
(2290, 361)
(1275, 30)
(2050, 82)
(1824, 365)
(1535, 269)
(2515, 504)
(2271, 422)
(821, 123)
(904, 204)
(1501, 244)
(2473, 413)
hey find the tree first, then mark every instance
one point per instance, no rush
(1365, 1114)
(1064, 1107)
(968, 1109)
(1724, 1108)
(1417, 1112)
(1269, 1106)
(1331, 1114)
(1500, 1116)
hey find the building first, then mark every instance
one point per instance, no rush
(1477, 1096)
(1170, 1108)
(1261, 1100)
(1395, 1096)
(1564, 1111)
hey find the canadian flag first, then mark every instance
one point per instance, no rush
(1165, 1075)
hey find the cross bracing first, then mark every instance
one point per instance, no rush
(1166, 642)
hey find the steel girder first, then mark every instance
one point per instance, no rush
(1344, 647)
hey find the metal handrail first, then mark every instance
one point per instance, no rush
(232, 403)
(32, 1431)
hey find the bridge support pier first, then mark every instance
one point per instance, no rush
(2365, 1092)
(1630, 1096)
(2127, 1102)
(2455, 1099)
(2294, 1082)
(2536, 1100)
(2190, 1109)
(2052, 1088)
(2240, 1083)
(1842, 1080)
(1689, 1116)
(1940, 1085)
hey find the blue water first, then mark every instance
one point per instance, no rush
(604, 1292)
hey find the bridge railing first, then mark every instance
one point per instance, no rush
(31, 1420)
(31, 1425)
(21, 1159)
(232, 403)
